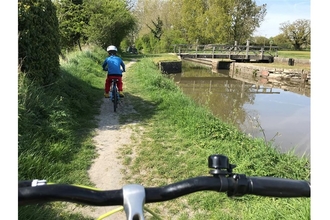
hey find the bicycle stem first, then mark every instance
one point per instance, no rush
(134, 198)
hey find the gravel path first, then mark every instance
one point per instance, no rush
(105, 171)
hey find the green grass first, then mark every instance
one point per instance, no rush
(174, 138)
(294, 54)
(56, 125)
(179, 136)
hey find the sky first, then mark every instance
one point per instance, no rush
(279, 11)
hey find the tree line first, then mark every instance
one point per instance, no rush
(48, 28)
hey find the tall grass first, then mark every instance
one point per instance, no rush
(56, 126)
(179, 137)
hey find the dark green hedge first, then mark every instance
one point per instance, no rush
(38, 40)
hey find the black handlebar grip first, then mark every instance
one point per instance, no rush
(278, 187)
(24, 183)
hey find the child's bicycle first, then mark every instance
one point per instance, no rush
(114, 94)
(133, 196)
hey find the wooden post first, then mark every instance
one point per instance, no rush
(213, 52)
(262, 53)
(233, 63)
(247, 49)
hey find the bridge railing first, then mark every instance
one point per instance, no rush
(226, 49)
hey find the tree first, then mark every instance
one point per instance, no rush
(192, 11)
(148, 12)
(109, 23)
(298, 33)
(281, 41)
(157, 31)
(72, 22)
(38, 40)
(245, 16)
(220, 21)
(260, 41)
(217, 22)
(201, 21)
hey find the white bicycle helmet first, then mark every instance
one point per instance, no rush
(111, 47)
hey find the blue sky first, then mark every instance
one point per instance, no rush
(279, 11)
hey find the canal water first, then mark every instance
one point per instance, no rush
(277, 111)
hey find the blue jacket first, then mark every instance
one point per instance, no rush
(112, 64)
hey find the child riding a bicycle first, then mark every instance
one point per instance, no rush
(115, 67)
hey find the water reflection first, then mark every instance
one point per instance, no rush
(274, 110)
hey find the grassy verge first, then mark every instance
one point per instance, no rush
(56, 128)
(179, 136)
(294, 54)
(299, 66)
(56, 124)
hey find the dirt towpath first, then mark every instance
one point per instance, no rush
(105, 171)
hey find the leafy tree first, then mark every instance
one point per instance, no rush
(169, 39)
(217, 22)
(147, 11)
(148, 44)
(191, 11)
(38, 40)
(298, 32)
(109, 23)
(201, 21)
(245, 16)
(281, 41)
(260, 41)
(153, 13)
(157, 31)
(72, 22)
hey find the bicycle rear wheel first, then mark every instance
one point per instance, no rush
(115, 99)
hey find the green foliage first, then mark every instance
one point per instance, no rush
(191, 13)
(148, 44)
(109, 23)
(157, 30)
(281, 41)
(198, 22)
(124, 44)
(50, 126)
(298, 33)
(177, 138)
(245, 16)
(216, 28)
(295, 54)
(73, 20)
(260, 41)
(223, 21)
(38, 41)
(55, 127)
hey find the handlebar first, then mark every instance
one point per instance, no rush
(237, 185)
(223, 180)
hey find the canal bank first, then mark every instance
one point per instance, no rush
(285, 73)
(175, 134)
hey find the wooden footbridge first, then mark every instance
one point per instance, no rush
(238, 53)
